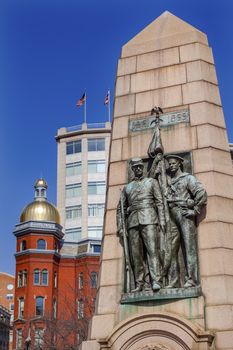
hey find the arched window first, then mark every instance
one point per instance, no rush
(23, 245)
(93, 279)
(36, 276)
(44, 277)
(39, 306)
(41, 244)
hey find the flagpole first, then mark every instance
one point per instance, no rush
(109, 114)
(85, 108)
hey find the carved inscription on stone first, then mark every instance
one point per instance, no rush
(154, 347)
(165, 121)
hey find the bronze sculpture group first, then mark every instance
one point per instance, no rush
(156, 219)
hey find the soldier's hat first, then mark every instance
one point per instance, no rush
(136, 161)
(175, 156)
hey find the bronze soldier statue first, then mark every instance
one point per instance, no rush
(144, 213)
(185, 197)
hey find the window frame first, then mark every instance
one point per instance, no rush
(80, 280)
(39, 297)
(36, 271)
(20, 279)
(93, 285)
(74, 165)
(40, 241)
(75, 231)
(80, 310)
(96, 210)
(45, 272)
(19, 338)
(21, 305)
(94, 144)
(39, 338)
(97, 169)
(23, 245)
(72, 209)
(73, 187)
(96, 229)
(74, 146)
(100, 188)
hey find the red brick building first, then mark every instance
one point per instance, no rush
(54, 294)
(7, 291)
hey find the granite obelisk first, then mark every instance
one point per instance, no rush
(169, 64)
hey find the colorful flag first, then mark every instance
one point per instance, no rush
(106, 100)
(81, 100)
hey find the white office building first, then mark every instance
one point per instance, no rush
(81, 184)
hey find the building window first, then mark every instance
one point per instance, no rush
(54, 308)
(9, 296)
(73, 169)
(20, 279)
(39, 338)
(80, 281)
(73, 190)
(96, 209)
(25, 275)
(36, 277)
(74, 147)
(93, 279)
(96, 166)
(73, 212)
(19, 339)
(96, 187)
(21, 308)
(23, 245)
(41, 244)
(80, 309)
(39, 306)
(95, 231)
(96, 248)
(12, 306)
(73, 234)
(96, 145)
(44, 277)
(55, 279)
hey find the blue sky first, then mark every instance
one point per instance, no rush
(50, 51)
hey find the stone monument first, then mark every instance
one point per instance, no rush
(166, 274)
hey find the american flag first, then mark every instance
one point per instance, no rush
(81, 101)
(106, 100)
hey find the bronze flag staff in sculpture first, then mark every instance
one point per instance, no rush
(158, 171)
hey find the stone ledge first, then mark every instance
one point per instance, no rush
(163, 294)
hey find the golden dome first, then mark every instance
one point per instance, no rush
(40, 209)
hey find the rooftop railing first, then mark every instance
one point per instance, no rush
(85, 126)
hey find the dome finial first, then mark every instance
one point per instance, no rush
(40, 189)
